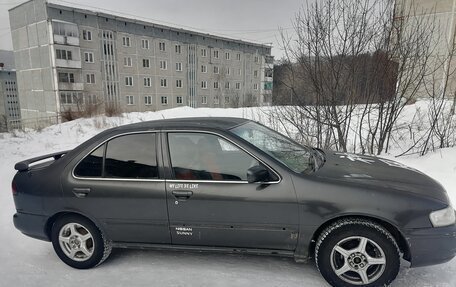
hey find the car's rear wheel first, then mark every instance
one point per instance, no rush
(78, 242)
(357, 252)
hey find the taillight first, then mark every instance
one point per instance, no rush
(14, 188)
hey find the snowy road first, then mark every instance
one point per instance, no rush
(29, 262)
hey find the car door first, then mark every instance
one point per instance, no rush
(119, 184)
(210, 202)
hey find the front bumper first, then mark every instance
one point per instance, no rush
(31, 225)
(430, 246)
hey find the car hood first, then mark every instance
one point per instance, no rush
(379, 173)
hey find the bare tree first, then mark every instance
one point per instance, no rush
(352, 68)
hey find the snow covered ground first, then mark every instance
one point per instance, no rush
(28, 262)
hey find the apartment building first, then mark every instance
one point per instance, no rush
(10, 114)
(68, 58)
(439, 17)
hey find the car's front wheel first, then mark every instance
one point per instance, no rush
(357, 252)
(78, 242)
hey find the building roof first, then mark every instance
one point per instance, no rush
(147, 23)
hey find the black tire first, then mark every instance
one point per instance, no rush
(86, 237)
(337, 250)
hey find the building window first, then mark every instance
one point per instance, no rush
(71, 98)
(147, 82)
(163, 65)
(178, 83)
(161, 46)
(203, 52)
(204, 85)
(227, 100)
(127, 62)
(216, 69)
(238, 56)
(238, 86)
(227, 85)
(178, 49)
(63, 54)
(126, 41)
(239, 72)
(87, 35)
(88, 57)
(179, 67)
(203, 69)
(66, 77)
(255, 73)
(65, 29)
(228, 71)
(164, 100)
(129, 100)
(255, 86)
(146, 63)
(204, 100)
(216, 100)
(179, 99)
(227, 56)
(91, 99)
(66, 98)
(216, 85)
(256, 59)
(163, 83)
(148, 100)
(145, 43)
(216, 54)
(90, 78)
(128, 81)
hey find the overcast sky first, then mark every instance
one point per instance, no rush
(256, 20)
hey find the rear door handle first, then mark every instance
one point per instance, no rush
(81, 192)
(182, 194)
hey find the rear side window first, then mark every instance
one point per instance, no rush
(91, 165)
(129, 156)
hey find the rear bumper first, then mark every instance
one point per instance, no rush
(430, 246)
(31, 225)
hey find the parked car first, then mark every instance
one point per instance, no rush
(233, 185)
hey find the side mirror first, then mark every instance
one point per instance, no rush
(257, 173)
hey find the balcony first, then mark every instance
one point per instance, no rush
(71, 86)
(73, 64)
(66, 40)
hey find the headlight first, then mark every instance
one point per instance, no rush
(443, 217)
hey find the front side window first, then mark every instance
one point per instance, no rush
(200, 156)
(130, 157)
(296, 157)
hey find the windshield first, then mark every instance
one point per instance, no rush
(295, 156)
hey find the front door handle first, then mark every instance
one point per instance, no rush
(81, 192)
(182, 194)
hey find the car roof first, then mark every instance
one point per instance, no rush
(221, 123)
